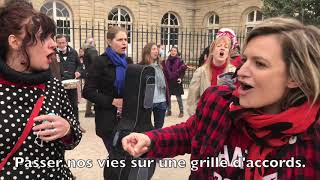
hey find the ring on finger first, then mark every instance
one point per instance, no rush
(52, 125)
(54, 130)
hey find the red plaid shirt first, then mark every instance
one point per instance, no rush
(194, 136)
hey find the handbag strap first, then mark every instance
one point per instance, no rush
(26, 130)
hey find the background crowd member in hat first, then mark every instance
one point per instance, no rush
(174, 69)
(235, 57)
(218, 62)
(234, 51)
(150, 56)
(105, 84)
(274, 115)
(33, 104)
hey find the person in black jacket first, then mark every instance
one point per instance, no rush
(90, 53)
(104, 83)
(70, 68)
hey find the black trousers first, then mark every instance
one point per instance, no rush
(73, 99)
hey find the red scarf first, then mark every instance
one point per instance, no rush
(216, 71)
(270, 131)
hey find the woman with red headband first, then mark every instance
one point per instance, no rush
(217, 63)
(268, 128)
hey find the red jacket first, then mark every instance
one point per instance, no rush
(194, 136)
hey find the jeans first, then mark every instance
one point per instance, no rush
(108, 144)
(159, 112)
(180, 103)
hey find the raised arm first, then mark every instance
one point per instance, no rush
(178, 139)
(168, 142)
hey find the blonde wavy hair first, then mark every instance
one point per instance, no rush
(301, 53)
(209, 61)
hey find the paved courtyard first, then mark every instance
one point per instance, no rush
(91, 150)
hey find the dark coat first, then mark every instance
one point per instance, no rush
(99, 89)
(89, 55)
(172, 73)
(71, 65)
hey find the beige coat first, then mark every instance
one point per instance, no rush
(200, 81)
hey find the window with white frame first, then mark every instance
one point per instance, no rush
(213, 26)
(61, 15)
(254, 17)
(169, 30)
(120, 17)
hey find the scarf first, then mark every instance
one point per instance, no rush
(173, 63)
(37, 77)
(216, 71)
(172, 68)
(121, 66)
(159, 76)
(270, 131)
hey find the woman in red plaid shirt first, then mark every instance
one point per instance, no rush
(268, 128)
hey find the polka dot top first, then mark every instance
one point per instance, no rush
(31, 161)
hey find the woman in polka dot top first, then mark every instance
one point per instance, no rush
(26, 50)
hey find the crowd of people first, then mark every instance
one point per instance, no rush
(263, 101)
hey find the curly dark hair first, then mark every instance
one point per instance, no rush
(19, 18)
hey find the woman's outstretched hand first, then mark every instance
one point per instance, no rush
(136, 144)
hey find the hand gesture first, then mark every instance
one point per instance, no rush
(52, 127)
(117, 102)
(179, 80)
(77, 75)
(136, 144)
(191, 67)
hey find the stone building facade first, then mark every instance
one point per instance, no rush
(169, 22)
